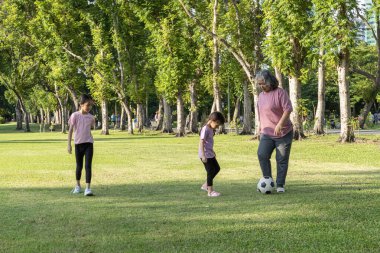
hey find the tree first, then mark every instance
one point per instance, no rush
(288, 46)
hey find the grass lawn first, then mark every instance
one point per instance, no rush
(148, 196)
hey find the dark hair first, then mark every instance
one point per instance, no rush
(268, 77)
(84, 98)
(217, 116)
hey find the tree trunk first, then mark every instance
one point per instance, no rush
(167, 124)
(320, 113)
(63, 109)
(247, 125)
(280, 77)
(42, 120)
(18, 115)
(26, 119)
(74, 97)
(105, 126)
(193, 124)
(215, 61)
(295, 95)
(180, 116)
(236, 114)
(123, 115)
(140, 117)
(25, 114)
(126, 108)
(160, 115)
(346, 130)
(364, 115)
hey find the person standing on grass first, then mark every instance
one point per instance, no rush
(276, 129)
(80, 123)
(206, 151)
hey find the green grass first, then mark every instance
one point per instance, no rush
(148, 197)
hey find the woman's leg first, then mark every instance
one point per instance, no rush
(283, 146)
(264, 153)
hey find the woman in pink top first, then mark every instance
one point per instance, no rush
(80, 123)
(276, 130)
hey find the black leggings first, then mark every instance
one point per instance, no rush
(212, 168)
(81, 150)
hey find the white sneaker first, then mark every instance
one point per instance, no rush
(88, 192)
(280, 189)
(76, 190)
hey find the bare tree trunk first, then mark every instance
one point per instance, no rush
(236, 114)
(18, 115)
(236, 110)
(140, 117)
(320, 113)
(25, 114)
(167, 124)
(105, 126)
(346, 130)
(279, 76)
(295, 95)
(180, 116)
(62, 107)
(247, 125)
(215, 60)
(123, 115)
(126, 108)
(74, 97)
(364, 115)
(42, 121)
(193, 124)
(160, 115)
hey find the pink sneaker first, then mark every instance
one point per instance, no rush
(214, 194)
(204, 188)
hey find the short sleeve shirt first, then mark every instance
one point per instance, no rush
(271, 106)
(207, 135)
(82, 127)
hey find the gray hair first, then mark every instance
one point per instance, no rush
(268, 78)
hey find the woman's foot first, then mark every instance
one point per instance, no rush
(213, 194)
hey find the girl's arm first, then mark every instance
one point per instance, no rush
(70, 136)
(202, 149)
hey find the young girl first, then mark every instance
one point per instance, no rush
(206, 152)
(80, 122)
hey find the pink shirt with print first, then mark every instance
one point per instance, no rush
(82, 127)
(271, 106)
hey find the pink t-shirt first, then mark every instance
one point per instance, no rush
(207, 135)
(82, 127)
(271, 106)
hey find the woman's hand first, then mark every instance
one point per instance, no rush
(278, 129)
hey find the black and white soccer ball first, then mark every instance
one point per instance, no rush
(265, 185)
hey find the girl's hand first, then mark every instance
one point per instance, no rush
(69, 149)
(204, 159)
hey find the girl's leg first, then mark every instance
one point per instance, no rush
(89, 152)
(283, 146)
(213, 169)
(79, 154)
(264, 152)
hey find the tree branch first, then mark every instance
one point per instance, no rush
(364, 73)
(238, 55)
(365, 20)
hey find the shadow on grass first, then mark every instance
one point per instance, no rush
(179, 217)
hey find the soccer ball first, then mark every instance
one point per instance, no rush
(265, 185)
